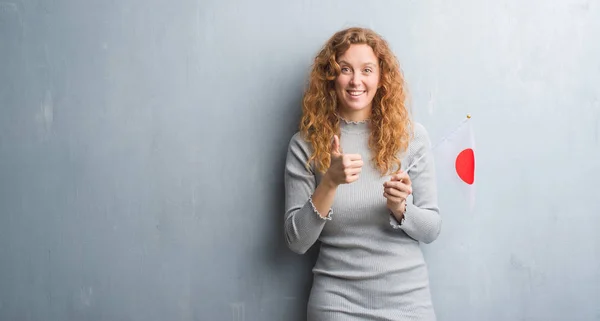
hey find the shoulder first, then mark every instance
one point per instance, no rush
(420, 136)
(298, 153)
(298, 140)
(299, 145)
(419, 129)
(419, 141)
(418, 148)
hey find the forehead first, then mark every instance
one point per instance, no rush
(358, 54)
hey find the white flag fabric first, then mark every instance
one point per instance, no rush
(454, 157)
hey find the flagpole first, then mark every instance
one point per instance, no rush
(439, 142)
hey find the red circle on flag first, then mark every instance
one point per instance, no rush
(465, 165)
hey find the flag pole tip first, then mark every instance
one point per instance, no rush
(468, 116)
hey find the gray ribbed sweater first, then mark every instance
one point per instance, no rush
(369, 266)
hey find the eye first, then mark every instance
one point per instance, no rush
(345, 69)
(368, 70)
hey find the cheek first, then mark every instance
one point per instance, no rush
(339, 89)
(374, 84)
(341, 83)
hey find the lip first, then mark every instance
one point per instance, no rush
(355, 93)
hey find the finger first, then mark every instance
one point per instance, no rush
(353, 157)
(335, 146)
(392, 198)
(404, 191)
(356, 163)
(349, 162)
(352, 178)
(395, 197)
(352, 171)
(401, 186)
(401, 176)
(396, 193)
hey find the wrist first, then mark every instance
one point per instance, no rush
(398, 216)
(328, 182)
(399, 213)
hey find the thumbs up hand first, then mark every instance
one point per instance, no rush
(344, 168)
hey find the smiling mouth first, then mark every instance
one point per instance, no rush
(355, 93)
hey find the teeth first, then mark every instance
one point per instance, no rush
(355, 93)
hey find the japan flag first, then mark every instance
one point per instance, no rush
(455, 161)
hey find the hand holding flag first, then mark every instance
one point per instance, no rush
(396, 190)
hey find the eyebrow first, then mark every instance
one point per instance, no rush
(366, 64)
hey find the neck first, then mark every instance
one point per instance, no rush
(356, 115)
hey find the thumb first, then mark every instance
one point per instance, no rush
(335, 145)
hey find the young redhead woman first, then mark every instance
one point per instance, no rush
(345, 186)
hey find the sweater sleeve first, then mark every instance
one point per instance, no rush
(421, 221)
(302, 224)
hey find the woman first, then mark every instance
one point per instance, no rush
(344, 186)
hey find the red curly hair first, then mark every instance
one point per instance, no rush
(390, 120)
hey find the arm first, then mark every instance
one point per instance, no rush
(421, 221)
(307, 207)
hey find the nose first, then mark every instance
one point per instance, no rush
(355, 79)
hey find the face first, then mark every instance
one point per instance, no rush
(358, 82)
